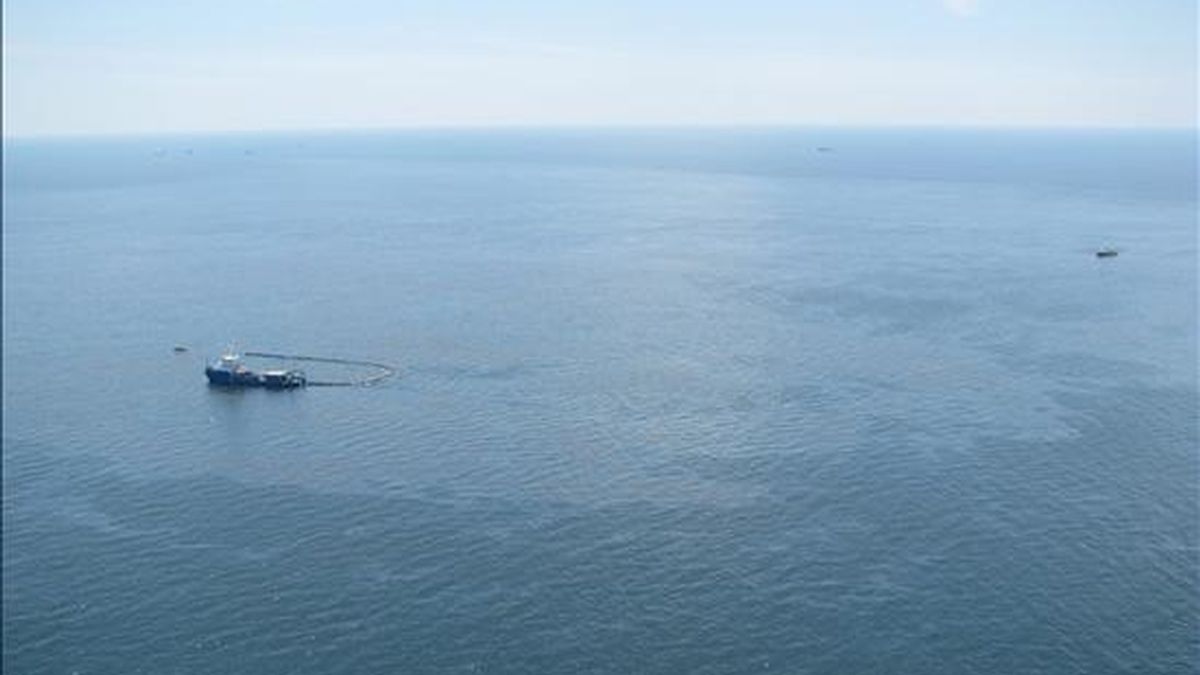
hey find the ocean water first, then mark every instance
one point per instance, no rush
(705, 401)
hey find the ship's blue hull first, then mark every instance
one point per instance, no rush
(222, 377)
(228, 378)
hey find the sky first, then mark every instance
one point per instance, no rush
(148, 66)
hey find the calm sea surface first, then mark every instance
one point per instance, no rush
(669, 402)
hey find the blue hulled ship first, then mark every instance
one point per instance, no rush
(229, 371)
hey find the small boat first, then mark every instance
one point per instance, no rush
(179, 349)
(229, 371)
(1106, 253)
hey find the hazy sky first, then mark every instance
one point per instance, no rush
(74, 66)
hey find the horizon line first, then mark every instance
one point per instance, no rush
(607, 126)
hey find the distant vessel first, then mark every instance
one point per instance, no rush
(229, 371)
(1106, 253)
